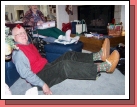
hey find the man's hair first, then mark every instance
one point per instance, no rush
(17, 26)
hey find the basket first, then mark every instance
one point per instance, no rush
(114, 29)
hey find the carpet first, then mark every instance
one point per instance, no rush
(106, 84)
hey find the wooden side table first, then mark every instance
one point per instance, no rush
(94, 45)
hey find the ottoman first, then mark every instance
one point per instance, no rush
(55, 50)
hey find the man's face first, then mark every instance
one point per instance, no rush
(20, 35)
(34, 8)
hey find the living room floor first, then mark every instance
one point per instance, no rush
(106, 84)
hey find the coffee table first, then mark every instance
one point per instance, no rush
(94, 45)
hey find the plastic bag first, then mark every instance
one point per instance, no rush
(81, 27)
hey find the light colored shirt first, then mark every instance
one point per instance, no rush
(36, 19)
(23, 68)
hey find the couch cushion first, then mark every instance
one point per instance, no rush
(11, 74)
(54, 50)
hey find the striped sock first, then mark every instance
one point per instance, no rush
(97, 56)
(104, 66)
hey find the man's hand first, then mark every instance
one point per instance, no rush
(46, 89)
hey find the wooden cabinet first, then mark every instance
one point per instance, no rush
(94, 45)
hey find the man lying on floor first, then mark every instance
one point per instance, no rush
(71, 65)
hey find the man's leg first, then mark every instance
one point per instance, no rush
(52, 74)
(104, 53)
(69, 66)
(72, 65)
(76, 56)
(110, 64)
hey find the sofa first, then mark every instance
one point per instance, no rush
(55, 50)
(11, 74)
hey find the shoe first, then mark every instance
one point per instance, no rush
(113, 59)
(105, 49)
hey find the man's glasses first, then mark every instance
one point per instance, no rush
(21, 33)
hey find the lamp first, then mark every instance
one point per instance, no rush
(123, 32)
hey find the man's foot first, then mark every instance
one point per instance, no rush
(97, 55)
(104, 52)
(113, 59)
(110, 64)
(105, 49)
(104, 66)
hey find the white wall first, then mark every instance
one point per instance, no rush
(75, 13)
(123, 16)
(44, 9)
(119, 14)
(61, 15)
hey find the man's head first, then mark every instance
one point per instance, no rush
(20, 35)
(34, 8)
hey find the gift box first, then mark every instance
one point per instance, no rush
(114, 29)
(47, 25)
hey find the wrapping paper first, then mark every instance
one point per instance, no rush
(47, 25)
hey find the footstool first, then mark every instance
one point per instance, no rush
(55, 50)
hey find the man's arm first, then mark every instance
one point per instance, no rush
(42, 16)
(23, 67)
